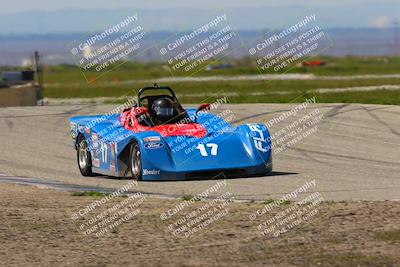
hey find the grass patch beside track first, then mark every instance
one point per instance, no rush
(388, 236)
(350, 65)
(245, 91)
(88, 194)
(68, 82)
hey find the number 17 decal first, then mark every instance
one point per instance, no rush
(203, 150)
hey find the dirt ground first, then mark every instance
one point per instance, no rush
(40, 227)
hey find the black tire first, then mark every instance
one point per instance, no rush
(135, 161)
(83, 156)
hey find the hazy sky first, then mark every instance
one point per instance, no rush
(58, 16)
(8, 6)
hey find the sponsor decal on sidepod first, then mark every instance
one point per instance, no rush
(151, 139)
(153, 145)
(258, 137)
(151, 172)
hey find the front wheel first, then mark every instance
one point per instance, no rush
(136, 161)
(83, 157)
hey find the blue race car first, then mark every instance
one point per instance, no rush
(157, 139)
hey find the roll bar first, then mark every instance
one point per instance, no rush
(155, 87)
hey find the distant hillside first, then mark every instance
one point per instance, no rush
(15, 48)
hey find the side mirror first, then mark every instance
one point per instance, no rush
(204, 106)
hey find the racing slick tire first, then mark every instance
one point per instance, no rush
(135, 160)
(83, 156)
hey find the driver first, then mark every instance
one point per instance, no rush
(162, 110)
(165, 110)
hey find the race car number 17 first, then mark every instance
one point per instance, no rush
(203, 150)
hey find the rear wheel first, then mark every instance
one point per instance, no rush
(136, 161)
(83, 157)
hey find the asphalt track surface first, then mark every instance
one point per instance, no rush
(353, 155)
